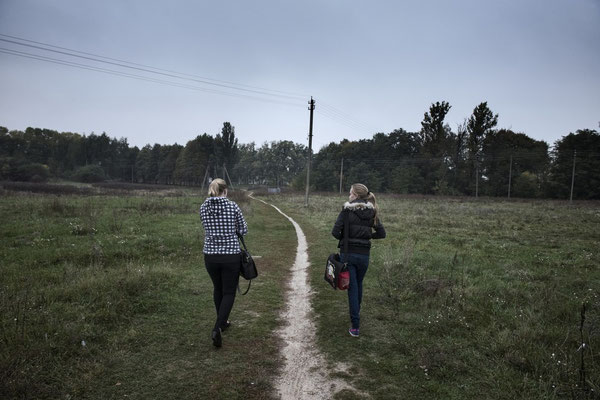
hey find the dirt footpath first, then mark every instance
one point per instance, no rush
(304, 375)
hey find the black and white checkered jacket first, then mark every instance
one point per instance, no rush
(222, 220)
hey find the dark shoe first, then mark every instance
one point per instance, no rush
(216, 338)
(225, 326)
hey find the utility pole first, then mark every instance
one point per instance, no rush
(204, 179)
(341, 174)
(509, 176)
(573, 176)
(311, 108)
(477, 176)
(226, 174)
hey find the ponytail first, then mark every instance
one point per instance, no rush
(217, 187)
(371, 198)
(363, 193)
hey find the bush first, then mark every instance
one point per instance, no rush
(46, 188)
(239, 196)
(20, 170)
(406, 179)
(89, 174)
(126, 186)
(526, 185)
(32, 172)
(299, 182)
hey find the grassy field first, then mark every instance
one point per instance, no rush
(466, 299)
(106, 296)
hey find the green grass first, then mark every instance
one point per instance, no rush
(465, 299)
(106, 297)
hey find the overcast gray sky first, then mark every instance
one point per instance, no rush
(372, 66)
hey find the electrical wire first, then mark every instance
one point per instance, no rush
(272, 96)
(341, 121)
(345, 116)
(147, 68)
(138, 77)
(326, 110)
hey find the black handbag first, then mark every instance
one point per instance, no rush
(248, 269)
(334, 267)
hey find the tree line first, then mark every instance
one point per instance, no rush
(39, 154)
(475, 159)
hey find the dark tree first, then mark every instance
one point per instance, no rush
(194, 159)
(436, 147)
(586, 144)
(247, 170)
(481, 122)
(168, 161)
(226, 146)
(434, 132)
(479, 125)
(527, 155)
(145, 167)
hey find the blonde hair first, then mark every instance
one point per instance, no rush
(217, 187)
(363, 193)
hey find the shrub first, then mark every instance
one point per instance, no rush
(19, 170)
(32, 172)
(406, 179)
(238, 196)
(526, 185)
(45, 188)
(132, 186)
(89, 174)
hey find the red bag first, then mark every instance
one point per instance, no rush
(336, 272)
(343, 280)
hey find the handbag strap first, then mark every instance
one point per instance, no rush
(247, 290)
(346, 228)
(241, 238)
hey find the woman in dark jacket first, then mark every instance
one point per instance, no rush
(363, 225)
(223, 221)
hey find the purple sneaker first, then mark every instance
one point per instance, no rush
(353, 332)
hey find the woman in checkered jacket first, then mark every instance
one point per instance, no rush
(223, 221)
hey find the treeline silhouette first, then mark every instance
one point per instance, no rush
(476, 159)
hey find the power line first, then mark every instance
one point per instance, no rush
(147, 69)
(327, 111)
(346, 117)
(299, 96)
(342, 121)
(138, 77)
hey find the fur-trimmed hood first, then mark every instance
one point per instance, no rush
(363, 210)
(358, 205)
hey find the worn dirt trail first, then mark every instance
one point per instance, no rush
(304, 375)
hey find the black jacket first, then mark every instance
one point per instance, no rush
(361, 229)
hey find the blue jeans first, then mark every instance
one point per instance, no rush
(357, 265)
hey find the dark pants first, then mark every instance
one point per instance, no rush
(357, 265)
(225, 277)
